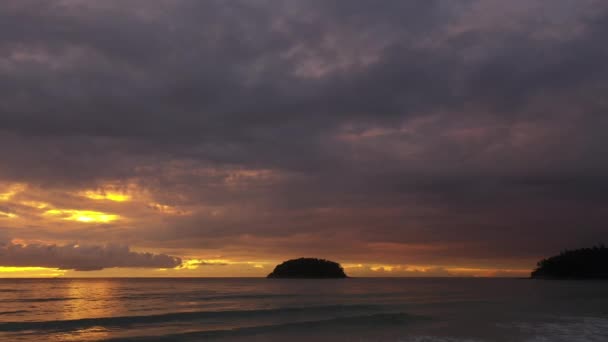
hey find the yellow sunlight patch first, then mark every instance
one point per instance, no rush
(86, 216)
(107, 195)
(5, 214)
(43, 272)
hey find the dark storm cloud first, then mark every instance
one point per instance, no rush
(468, 121)
(222, 70)
(81, 258)
(250, 73)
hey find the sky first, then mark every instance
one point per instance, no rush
(219, 138)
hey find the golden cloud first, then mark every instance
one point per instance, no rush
(87, 216)
(7, 214)
(35, 204)
(193, 264)
(115, 196)
(13, 189)
(167, 209)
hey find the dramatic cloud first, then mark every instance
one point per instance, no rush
(454, 134)
(80, 257)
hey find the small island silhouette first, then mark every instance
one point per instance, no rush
(584, 263)
(308, 268)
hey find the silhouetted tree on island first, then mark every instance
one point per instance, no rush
(308, 268)
(585, 263)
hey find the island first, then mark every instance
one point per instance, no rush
(584, 263)
(308, 268)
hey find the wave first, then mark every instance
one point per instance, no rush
(12, 312)
(361, 321)
(39, 300)
(207, 297)
(252, 296)
(125, 321)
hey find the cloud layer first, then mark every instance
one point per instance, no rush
(452, 133)
(80, 257)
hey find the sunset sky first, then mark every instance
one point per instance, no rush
(219, 138)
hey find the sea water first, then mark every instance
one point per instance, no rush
(371, 309)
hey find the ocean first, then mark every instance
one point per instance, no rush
(247, 309)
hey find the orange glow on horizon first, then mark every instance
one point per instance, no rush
(397, 270)
(385, 268)
(193, 264)
(487, 272)
(220, 267)
(43, 272)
